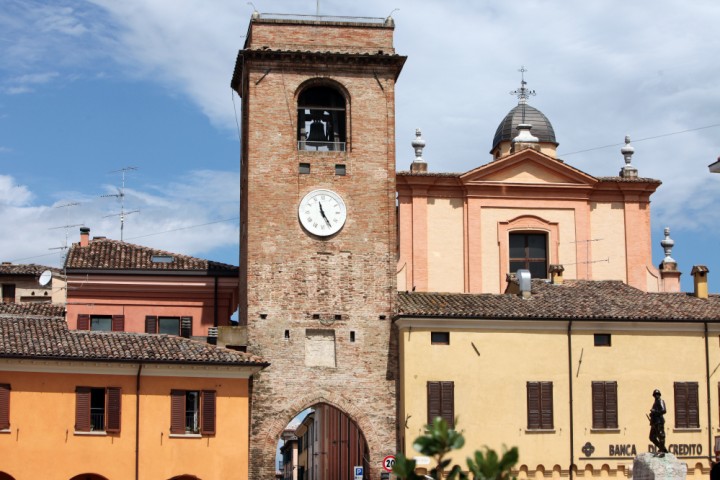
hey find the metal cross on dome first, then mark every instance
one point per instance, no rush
(523, 92)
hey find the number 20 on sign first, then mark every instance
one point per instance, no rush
(388, 463)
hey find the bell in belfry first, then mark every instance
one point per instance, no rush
(317, 132)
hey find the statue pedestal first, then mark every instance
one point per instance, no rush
(654, 466)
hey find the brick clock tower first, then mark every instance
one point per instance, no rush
(318, 227)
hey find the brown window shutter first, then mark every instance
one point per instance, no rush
(4, 406)
(533, 405)
(177, 411)
(82, 409)
(186, 327)
(692, 404)
(207, 416)
(433, 401)
(151, 324)
(681, 413)
(447, 404)
(611, 405)
(112, 409)
(598, 404)
(83, 322)
(546, 405)
(118, 323)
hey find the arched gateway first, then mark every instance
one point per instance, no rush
(323, 443)
(317, 226)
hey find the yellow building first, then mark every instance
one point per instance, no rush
(565, 372)
(111, 405)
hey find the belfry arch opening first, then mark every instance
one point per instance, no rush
(321, 123)
(322, 443)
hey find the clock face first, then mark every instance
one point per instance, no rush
(322, 212)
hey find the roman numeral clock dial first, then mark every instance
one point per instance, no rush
(322, 212)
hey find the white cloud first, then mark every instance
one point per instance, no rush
(172, 218)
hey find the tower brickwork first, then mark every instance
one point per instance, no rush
(318, 285)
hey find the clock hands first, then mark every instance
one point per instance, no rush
(322, 212)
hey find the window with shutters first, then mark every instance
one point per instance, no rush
(540, 406)
(686, 405)
(4, 407)
(192, 412)
(181, 326)
(441, 402)
(101, 323)
(97, 409)
(604, 405)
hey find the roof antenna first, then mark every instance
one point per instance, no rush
(121, 196)
(523, 92)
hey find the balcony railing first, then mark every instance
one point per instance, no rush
(97, 420)
(321, 146)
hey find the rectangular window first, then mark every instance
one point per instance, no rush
(181, 326)
(304, 168)
(604, 405)
(8, 293)
(101, 323)
(540, 405)
(602, 339)
(97, 409)
(441, 402)
(686, 405)
(529, 251)
(192, 412)
(440, 338)
(4, 406)
(340, 169)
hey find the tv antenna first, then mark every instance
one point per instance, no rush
(121, 196)
(67, 226)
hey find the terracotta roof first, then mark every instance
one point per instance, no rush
(51, 339)
(629, 180)
(105, 254)
(7, 268)
(44, 309)
(575, 299)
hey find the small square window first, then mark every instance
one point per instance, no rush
(602, 340)
(340, 169)
(304, 168)
(440, 338)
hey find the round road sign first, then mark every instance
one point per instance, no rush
(388, 463)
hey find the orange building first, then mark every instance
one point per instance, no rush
(99, 405)
(118, 286)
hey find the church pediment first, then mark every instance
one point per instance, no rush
(528, 167)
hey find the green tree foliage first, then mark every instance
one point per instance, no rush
(438, 441)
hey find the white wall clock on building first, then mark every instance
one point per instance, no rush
(322, 212)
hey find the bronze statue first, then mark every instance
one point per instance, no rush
(657, 422)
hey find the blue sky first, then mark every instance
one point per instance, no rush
(90, 87)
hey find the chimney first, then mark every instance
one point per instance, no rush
(699, 273)
(669, 273)
(556, 274)
(525, 283)
(84, 236)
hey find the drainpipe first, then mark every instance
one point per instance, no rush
(707, 378)
(137, 423)
(570, 386)
(215, 312)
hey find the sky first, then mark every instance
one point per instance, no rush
(92, 89)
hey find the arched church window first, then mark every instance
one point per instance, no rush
(529, 251)
(321, 119)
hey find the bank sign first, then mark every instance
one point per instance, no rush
(630, 450)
